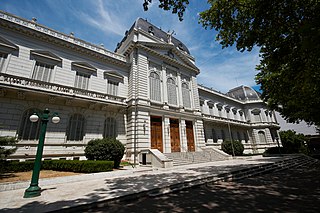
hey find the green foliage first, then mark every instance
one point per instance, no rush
(105, 149)
(275, 150)
(7, 146)
(238, 147)
(287, 33)
(177, 6)
(58, 165)
(293, 142)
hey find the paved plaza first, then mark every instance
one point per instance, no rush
(99, 188)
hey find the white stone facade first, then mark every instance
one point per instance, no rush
(145, 94)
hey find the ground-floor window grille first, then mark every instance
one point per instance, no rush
(110, 128)
(29, 130)
(75, 130)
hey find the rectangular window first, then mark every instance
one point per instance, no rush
(42, 72)
(2, 60)
(112, 88)
(81, 81)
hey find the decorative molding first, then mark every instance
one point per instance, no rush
(52, 99)
(21, 95)
(3, 92)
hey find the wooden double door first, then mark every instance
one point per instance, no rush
(190, 137)
(174, 135)
(156, 133)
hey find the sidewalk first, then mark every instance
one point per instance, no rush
(72, 191)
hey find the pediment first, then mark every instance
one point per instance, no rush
(41, 55)
(7, 46)
(83, 67)
(171, 52)
(113, 76)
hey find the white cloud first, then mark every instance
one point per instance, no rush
(229, 71)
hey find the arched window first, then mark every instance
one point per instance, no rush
(172, 91)
(76, 128)
(110, 128)
(29, 130)
(262, 137)
(186, 95)
(155, 87)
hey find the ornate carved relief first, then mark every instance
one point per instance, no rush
(21, 95)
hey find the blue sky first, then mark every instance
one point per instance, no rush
(105, 22)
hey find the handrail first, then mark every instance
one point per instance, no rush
(46, 86)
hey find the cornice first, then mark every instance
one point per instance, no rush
(167, 58)
(38, 31)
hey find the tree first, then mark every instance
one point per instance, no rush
(7, 146)
(293, 142)
(288, 34)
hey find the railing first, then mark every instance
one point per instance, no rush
(46, 86)
(261, 123)
(69, 38)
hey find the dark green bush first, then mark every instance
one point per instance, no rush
(59, 165)
(275, 150)
(15, 166)
(7, 146)
(105, 149)
(226, 146)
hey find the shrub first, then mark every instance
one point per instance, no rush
(15, 166)
(59, 165)
(275, 150)
(293, 142)
(105, 149)
(7, 146)
(226, 146)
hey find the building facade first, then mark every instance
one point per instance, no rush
(145, 94)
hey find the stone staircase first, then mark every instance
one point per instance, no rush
(288, 162)
(186, 158)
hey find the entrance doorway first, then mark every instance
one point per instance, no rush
(190, 137)
(174, 135)
(156, 133)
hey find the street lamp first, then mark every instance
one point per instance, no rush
(34, 190)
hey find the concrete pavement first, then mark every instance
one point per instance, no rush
(78, 191)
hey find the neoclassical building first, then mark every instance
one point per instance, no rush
(145, 94)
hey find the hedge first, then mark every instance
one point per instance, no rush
(59, 165)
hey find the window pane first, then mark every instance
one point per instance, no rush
(110, 128)
(186, 95)
(155, 87)
(76, 128)
(2, 59)
(172, 91)
(28, 130)
(42, 72)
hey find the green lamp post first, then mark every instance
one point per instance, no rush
(34, 190)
